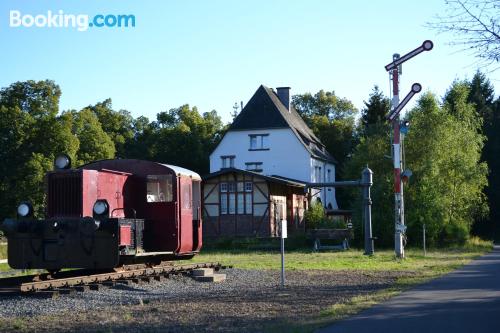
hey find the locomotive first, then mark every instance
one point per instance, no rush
(109, 213)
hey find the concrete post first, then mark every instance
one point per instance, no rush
(367, 182)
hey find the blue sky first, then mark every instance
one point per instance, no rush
(212, 54)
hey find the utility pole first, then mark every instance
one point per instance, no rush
(394, 68)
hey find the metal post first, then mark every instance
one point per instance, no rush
(283, 235)
(282, 262)
(398, 186)
(367, 182)
(423, 232)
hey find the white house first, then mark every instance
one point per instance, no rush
(270, 138)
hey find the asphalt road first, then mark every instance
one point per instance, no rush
(466, 300)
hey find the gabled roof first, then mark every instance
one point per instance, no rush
(266, 111)
(272, 179)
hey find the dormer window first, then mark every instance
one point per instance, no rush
(227, 161)
(259, 141)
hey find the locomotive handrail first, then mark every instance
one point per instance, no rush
(122, 208)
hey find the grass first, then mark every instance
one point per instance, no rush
(437, 262)
(3, 250)
(353, 259)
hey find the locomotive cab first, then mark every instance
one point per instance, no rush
(107, 213)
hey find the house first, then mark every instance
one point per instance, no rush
(247, 203)
(270, 143)
(269, 137)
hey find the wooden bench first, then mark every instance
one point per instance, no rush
(343, 235)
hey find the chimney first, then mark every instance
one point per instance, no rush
(284, 96)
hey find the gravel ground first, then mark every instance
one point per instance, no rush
(248, 301)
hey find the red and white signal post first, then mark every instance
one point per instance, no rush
(394, 68)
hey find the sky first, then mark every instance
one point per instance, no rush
(211, 54)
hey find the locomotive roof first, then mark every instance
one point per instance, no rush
(182, 171)
(140, 167)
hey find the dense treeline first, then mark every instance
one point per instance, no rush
(452, 148)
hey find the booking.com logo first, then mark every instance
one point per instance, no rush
(81, 22)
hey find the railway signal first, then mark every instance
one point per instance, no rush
(395, 69)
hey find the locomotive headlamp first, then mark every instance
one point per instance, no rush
(62, 162)
(101, 208)
(24, 209)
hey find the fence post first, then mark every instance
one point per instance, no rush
(423, 232)
(367, 182)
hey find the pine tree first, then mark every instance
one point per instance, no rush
(377, 107)
(482, 95)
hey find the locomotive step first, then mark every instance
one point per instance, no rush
(211, 278)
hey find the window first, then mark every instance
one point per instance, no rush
(223, 204)
(186, 196)
(236, 198)
(159, 188)
(241, 203)
(248, 203)
(318, 176)
(329, 175)
(228, 161)
(248, 187)
(254, 166)
(232, 203)
(259, 142)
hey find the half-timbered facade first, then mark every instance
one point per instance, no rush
(245, 203)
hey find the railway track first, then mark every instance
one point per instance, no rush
(53, 284)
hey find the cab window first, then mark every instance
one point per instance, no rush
(159, 188)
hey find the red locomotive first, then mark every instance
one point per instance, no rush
(108, 213)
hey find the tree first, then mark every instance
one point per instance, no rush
(377, 107)
(36, 98)
(443, 149)
(492, 153)
(182, 136)
(482, 96)
(31, 136)
(331, 119)
(476, 27)
(118, 125)
(371, 151)
(323, 104)
(94, 143)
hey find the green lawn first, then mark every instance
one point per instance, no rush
(435, 261)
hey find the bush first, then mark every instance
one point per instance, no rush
(455, 234)
(314, 215)
(316, 218)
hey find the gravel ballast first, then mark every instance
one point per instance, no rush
(248, 301)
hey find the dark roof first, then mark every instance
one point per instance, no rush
(272, 179)
(265, 110)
